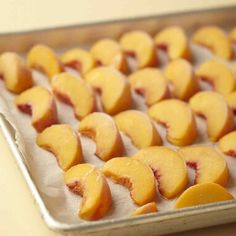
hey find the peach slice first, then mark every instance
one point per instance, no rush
(134, 175)
(64, 143)
(217, 74)
(184, 83)
(215, 39)
(141, 45)
(233, 35)
(178, 117)
(138, 126)
(150, 83)
(214, 108)
(87, 181)
(79, 59)
(148, 208)
(209, 164)
(101, 127)
(203, 194)
(231, 100)
(174, 40)
(38, 102)
(114, 88)
(108, 52)
(168, 168)
(227, 144)
(43, 58)
(75, 92)
(16, 74)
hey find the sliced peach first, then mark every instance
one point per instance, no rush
(150, 83)
(217, 74)
(79, 59)
(114, 88)
(174, 40)
(148, 208)
(134, 175)
(101, 127)
(184, 83)
(209, 164)
(203, 194)
(64, 143)
(85, 180)
(141, 45)
(231, 100)
(138, 126)
(38, 102)
(227, 144)
(108, 52)
(178, 117)
(233, 35)
(215, 39)
(43, 58)
(168, 168)
(75, 92)
(214, 108)
(16, 74)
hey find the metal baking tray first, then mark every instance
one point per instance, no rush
(60, 38)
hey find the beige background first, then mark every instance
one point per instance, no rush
(18, 214)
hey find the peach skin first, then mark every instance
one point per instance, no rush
(88, 182)
(75, 92)
(108, 52)
(15, 73)
(203, 194)
(102, 129)
(210, 166)
(78, 59)
(180, 74)
(114, 88)
(168, 167)
(215, 39)
(150, 83)
(140, 45)
(213, 107)
(64, 143)
(135, 176)
(38, 102)
(179, 119)
(233, 35)
(139, 127)
(218, 75)
(227, 144)
(174, 40)
(148, 208)
(44, 59)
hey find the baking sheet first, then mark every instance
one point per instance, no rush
(62, 204)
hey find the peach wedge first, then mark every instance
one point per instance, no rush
(168, 167)
(210, 166)
(181, 76)
(174, 40)
(215, 39)
(139, 127)
(108, 52)
(43, 58)
(148, 208)
(213, 107)
(227, 144)
(231, 100)
(114, 88)
(15, 73)
(38, 102)
(75, 92)
(64, 143)
(233, 35)
(217, 74)
(179, 119)
(101, 127)
(140, 45)
(78, 59)
(203, 194)
(87, 181)
(134, 175)
(150, 83)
